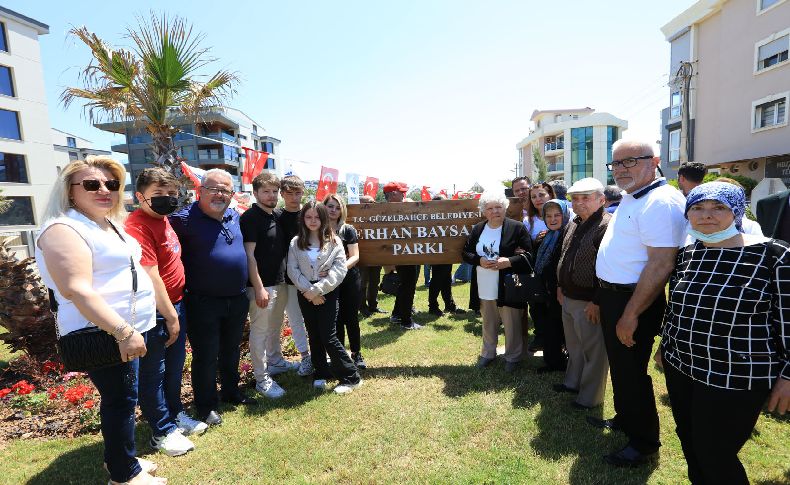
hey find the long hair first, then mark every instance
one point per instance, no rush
(532, 211)
(60, 198)
(326, 233)
(343, 210)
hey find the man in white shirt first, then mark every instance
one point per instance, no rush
(635, 258)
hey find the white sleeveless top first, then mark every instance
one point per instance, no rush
(112, 276)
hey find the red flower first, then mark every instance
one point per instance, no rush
(23, 387)
(4, 392)
(88, 404)
(287, 332)
(50, 366)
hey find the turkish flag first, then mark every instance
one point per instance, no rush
(328, 183)
(443, 192)
(455, 195)
(371, 187)
(195, 175)
(255, 163)
(425, 195)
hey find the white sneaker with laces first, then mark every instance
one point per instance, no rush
(346, 388)
(281, 367)
(189, 426)
(305, 367)
(319, 384)
(174, 444)
(269, 388)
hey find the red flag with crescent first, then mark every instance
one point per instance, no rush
(425, 194)
(255, 163)
(371, 187)
(443, 192)
(328, 183)
(194, 174)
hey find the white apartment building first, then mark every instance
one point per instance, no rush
(70, 147)
(576, 143)
(28, 168)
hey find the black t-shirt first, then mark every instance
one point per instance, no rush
(348, 235)
(271, 244)
(289, 221)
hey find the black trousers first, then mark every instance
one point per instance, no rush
(348, 313)
(634, 401)
(404, 300)
(215, 328)
(536, 313)
(554, 355)
(370, 277)
(441, 282)
(713, 424)
(320, 322)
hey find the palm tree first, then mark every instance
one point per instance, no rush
(541, 167)
(153, 84)
(5, 203)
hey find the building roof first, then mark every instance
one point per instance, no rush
(695, 14)
(539, 113)
(40, 27)
(71, 134)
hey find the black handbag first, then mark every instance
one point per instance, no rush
(390, 283)
(92, 348)
(522, 288)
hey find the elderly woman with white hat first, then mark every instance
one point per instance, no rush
(577, 286)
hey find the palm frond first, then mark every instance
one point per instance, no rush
(214, 92)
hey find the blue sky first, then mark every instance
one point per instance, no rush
(428, 92)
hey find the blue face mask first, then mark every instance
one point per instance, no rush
(716, 237)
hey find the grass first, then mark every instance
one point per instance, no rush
(424, 415)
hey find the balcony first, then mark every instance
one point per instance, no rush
(555, 167)
(219, 136)
(555, 145)
(213, 157)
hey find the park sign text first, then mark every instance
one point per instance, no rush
(404, 233)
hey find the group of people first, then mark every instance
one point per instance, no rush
(601, 265)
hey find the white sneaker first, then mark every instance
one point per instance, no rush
(319, 384)
(189, 426)
(281, 367)
(305, 367)
(269, 388)
(346, 388)
(174, 444)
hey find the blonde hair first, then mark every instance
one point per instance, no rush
(343, 210)
(60, 198)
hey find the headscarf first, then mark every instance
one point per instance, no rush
(728, 194)
(551, 238)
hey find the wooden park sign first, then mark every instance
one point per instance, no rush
(430, 232)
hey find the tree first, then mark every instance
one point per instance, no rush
(540, 165)
(156, 84)
(5, 203)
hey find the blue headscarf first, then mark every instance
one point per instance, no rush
(552, 237)
(728, 194)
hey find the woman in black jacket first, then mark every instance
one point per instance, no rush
(496, 247)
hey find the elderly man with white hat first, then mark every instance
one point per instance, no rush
(576, 289)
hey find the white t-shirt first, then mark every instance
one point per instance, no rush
(749, 227)
(652, 219)
(488, 247)
(312, 253)
(112, 276)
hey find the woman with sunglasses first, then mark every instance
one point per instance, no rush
(317, 266)
(91, 265)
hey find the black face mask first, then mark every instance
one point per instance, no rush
(163, 204)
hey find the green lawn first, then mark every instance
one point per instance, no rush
(424, 415)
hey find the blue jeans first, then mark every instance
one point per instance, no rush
(426, 273)
(160, 375)
(463, 272)
(117, 386)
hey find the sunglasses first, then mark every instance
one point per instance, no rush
(93, 185)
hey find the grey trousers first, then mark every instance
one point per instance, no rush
(511, 320)
(588, 364)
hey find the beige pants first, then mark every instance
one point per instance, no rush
(510, 318)
(265, 327)
(588, 364)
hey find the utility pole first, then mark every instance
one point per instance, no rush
(683, 80)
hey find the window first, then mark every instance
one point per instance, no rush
(763, 5)
(20, 213)
(676, 100)
(9, 125)
(3, 43)
(581, 153)
(12, 168)
(773, 52)
(771, 114)
(255, 144)
(73, 156)
(255, 129)
(6, 81)
(71, 142)
(187, 152)
(674, 146)
(268, 147)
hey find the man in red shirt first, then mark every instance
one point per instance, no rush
(162, 367)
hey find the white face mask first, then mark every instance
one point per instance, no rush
(715, 237)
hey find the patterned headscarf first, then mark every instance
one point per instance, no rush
(551, 238)
(728, 194)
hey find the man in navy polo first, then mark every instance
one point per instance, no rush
(216, 302)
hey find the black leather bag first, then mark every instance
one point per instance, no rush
(92, 348)
(390, 283)
(522, 288)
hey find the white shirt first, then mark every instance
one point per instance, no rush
(312, 253)
(749, 227)
(653, 219)
(112, 276)
(488, 248)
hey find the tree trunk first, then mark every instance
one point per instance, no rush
(167, 157)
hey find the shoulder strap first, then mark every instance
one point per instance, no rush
(132, 267)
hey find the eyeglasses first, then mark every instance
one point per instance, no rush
(91, 185)
(626, 162)
(216, 191)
